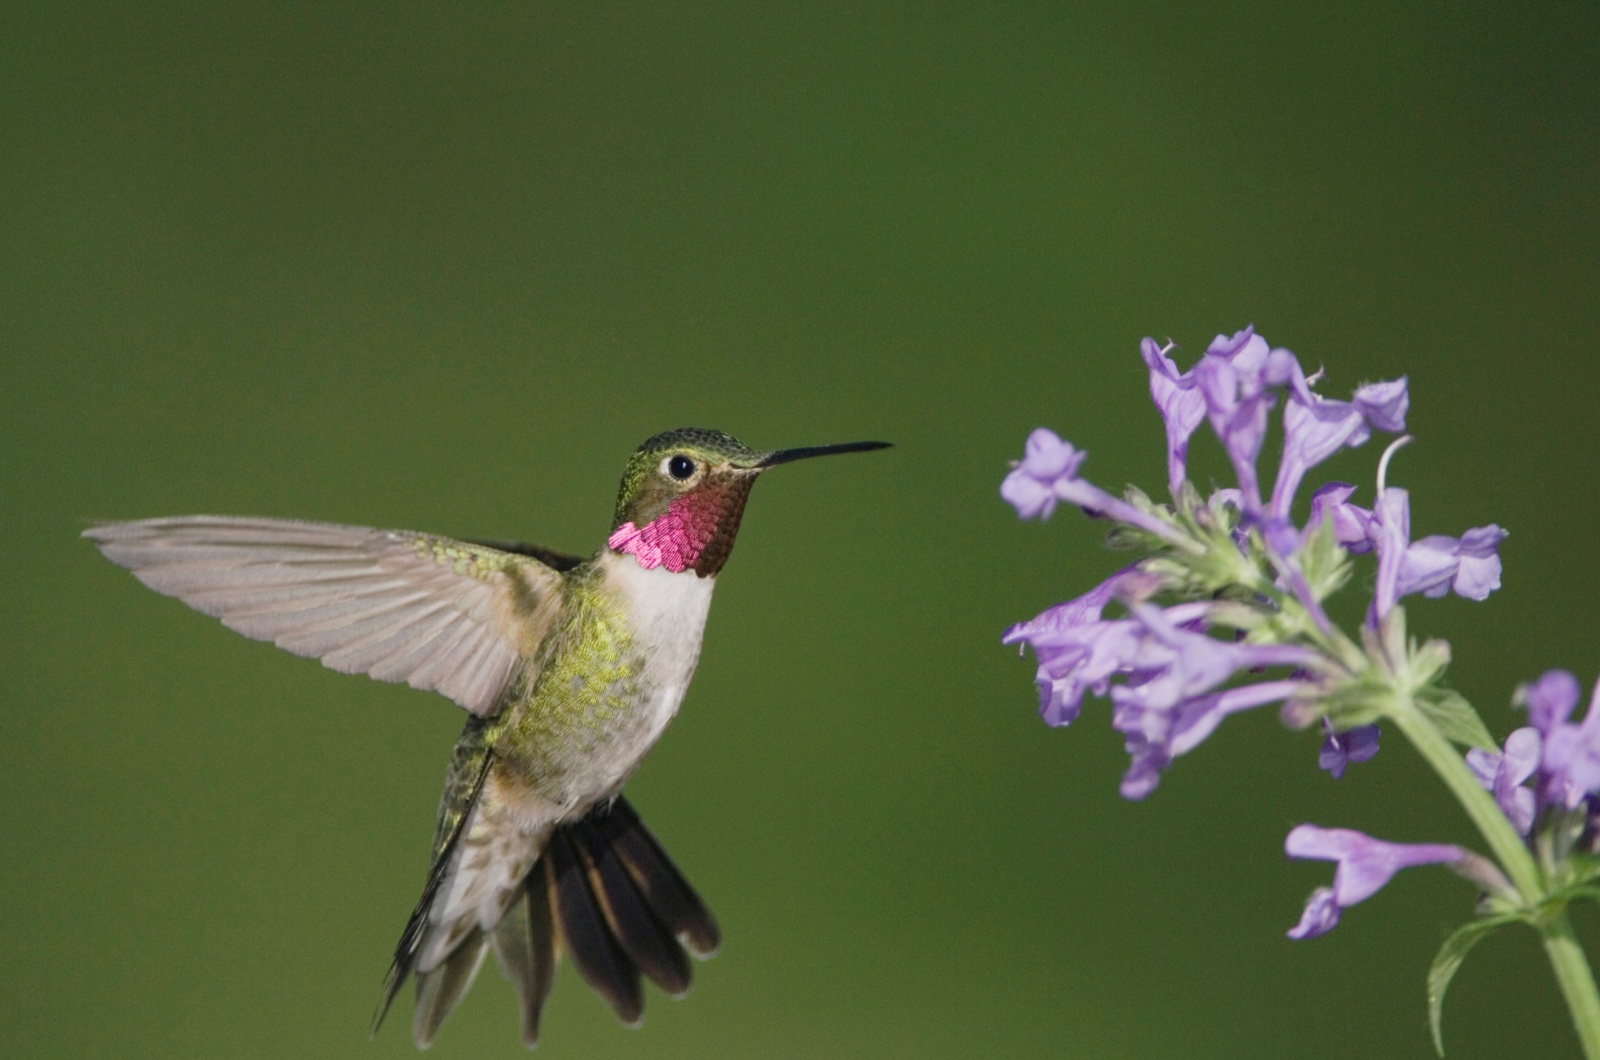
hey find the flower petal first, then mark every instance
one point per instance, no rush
(1479, 572)
(1339, 749)
(1385, 404)
(1180, 403)
(1365, 863)
(1429, 566)
(1391, 530)
(1047, 461)
(1352, 524)
(1031, 498)
(1549, 700)
(1312, 432)
(1320, 917)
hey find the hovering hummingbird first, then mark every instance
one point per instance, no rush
(570, 669)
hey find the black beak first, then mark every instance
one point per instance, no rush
(784, 456)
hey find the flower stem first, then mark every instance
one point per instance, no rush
(1567, 958)
(1577, 982)
(1452, 768)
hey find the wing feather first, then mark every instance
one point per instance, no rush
(439, 614)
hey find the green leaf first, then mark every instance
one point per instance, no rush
(1324, 563)
(1454, 717)
(1428, 661)
(1448, 961)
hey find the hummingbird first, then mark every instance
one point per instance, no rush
(569, 669)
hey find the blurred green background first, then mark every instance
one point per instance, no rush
(442, 267)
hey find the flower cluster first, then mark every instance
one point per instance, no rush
(1224, 613)
(1245, 626)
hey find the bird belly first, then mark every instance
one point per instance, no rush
(608, 688)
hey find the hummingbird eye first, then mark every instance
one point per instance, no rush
(680, 467)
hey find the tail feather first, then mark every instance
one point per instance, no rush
(439, 990)
(595, 952)
(525, 944)
(603, 889)
(665, 890)
(646, 941)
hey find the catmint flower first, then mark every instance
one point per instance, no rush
(1503, 773)
(1569, 761)
(1467, 565)
(1314, 428)
(1434, 566)
(1077, 652)
(1046, 460)
(1391, 533)
(1232, 376)
(1180, 403)
(1224, 612)
(1339, 749)
(1171, 670)
(1236, 378)
(1048, 472)
(1166, 671)
(1352, 524)
(1549, 700)
(1178, 663)
(1365, 865)
(1153, 738)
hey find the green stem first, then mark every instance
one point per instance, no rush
(1577, 982)
(1446, 761)
(1567, 958)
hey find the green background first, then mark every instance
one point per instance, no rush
(442, 267)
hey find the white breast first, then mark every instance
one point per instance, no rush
(669, 619)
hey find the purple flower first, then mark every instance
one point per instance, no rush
(1170, 667)
(1233, 377)
(1569, 759)
(1046, 460)
(1549, 700)
(1232, 385)
(1365, 865)
(1503, 773)
(1077, 652)
(1352, 525)
(1434, 566)
(1391, 533)
(1048, 472)
(1170, 702)
(1339, 749)
(1153, 738)
(1314, 428)
(1385, 404)
(1468, 564)
(1181, 404)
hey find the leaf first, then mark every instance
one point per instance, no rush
(1455, 718)
(1427, 661)
(1324, 563)
(1448, 961)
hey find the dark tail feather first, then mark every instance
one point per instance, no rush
(598, 957)
(525, 944)
(646, 941)
(439, 990)
(663, 887)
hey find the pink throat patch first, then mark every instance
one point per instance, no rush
(675, 538)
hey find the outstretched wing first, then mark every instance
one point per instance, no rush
(439, 614)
